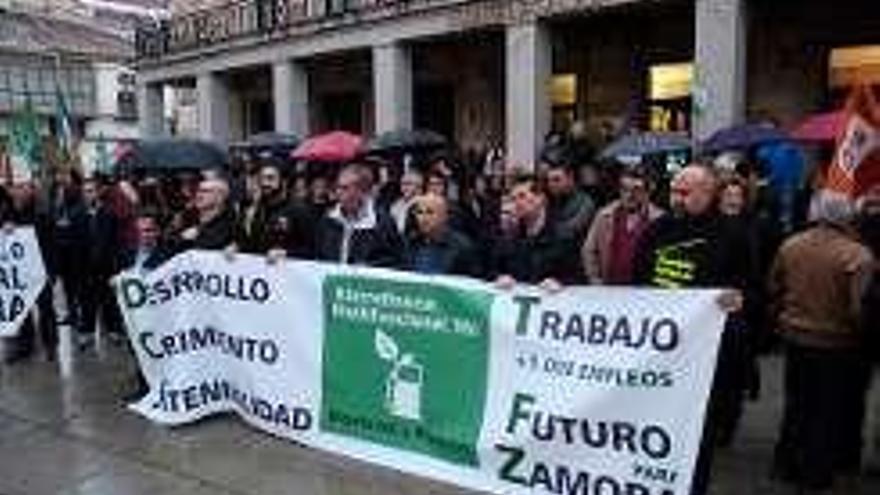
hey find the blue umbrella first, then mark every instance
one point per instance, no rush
(648, 143)
(742, 137)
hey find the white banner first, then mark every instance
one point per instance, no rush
(589, 391)
(22, 277)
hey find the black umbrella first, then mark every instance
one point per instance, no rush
(173, 155)
(269, 145)
(404, 140)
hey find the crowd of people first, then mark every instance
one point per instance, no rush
(809, 294)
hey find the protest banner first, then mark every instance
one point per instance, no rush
(590, 391)
(22, 276)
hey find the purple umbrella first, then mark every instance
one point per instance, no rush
(742, 137)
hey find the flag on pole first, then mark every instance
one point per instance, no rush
(63, 126)
(856, 165)
(25, 140)
(103, 163)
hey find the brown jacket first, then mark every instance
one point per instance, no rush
(816, 287)
(596, 251)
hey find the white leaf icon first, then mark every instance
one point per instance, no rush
(385, 346)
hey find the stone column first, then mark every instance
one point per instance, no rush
(392, 87)
(213, 107)
(290, 89)
(151, 110)
(720, 67)
(528, 68)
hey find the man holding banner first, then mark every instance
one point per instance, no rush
(21, 264)
(694, 247)
(20, 219)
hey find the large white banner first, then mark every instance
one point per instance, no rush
(591, 391)
(22, 276)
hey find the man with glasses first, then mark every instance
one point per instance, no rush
(216, 222)
(609, 250)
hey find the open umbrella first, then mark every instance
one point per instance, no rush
(268, 145)
(648, 143)
(336, 146)
(820, 127)
(405, 140)
(173, 155)
(742, 137)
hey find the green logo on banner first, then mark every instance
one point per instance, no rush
(405, 365)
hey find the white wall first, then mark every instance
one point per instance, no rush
(107, 87)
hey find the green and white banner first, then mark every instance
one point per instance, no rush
(591, 391)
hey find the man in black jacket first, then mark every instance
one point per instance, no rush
(19, 208)
(100, 262)
(64, 205)
(694, 247)
(539, 253)
(869, 229)
(354, 231)
(216, 223)
(434, 247)
(278, 223)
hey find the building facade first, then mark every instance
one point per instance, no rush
(74, 54)
(504, 72)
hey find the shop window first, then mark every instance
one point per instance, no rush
(851, 65)
(563, 98)
(669, 97)
(848, 66)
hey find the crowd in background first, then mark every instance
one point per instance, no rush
(565, 222)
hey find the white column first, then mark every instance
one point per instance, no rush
(528, 59)
(151, 110)
(392, 87)
(213, 109)
(290, 88)
(720, 65)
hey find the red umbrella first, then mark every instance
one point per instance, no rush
(821, 127)
(336, 146)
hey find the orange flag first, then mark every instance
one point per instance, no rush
(856, 165)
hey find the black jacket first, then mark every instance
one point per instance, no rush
(279, 224)
(101, 247)
(684, 252)
(550, 254)
(869, 229)
(374, 240)
(455, 255)
(217, 234)
(158, 255)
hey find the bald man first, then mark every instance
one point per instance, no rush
(434, 247)
(216, 226)
(685, 249)
(691, 247)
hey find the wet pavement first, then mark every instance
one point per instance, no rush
(66, 436)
